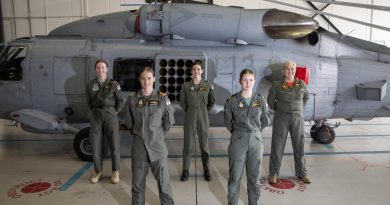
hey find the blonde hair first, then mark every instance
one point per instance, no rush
(289, 64)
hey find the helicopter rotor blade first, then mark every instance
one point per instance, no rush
(365, 6)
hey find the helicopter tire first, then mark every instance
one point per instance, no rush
(82, 145)
(313, 131)
(324, 135)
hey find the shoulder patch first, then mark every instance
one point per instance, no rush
(167, 101)
(230, 97)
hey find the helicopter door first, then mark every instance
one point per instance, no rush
(14, 77)
(70, 81)
(226, 73)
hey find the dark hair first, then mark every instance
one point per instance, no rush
(101, 61)
(148, 69)
(246, 71)
(197, 63)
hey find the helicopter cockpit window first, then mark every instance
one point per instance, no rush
(126, 72)
(11, 58)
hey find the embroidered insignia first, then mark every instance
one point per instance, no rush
(256, 104)
(140, 103)
(284, 86)
(95, 87)
(153, 102)
(202, 89)
(118, 87)
(163, 94)
(240, 105)
(192, 88)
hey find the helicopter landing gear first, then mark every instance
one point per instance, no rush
(323, 132)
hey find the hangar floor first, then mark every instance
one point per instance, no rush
(355, 169)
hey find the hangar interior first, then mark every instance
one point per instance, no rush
(43, 168)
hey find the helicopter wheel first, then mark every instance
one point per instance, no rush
(82, 146)
(323, 134)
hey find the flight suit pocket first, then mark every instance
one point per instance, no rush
(203, 94)
(138, 117)
(299, 94)
(155, 118)
(241, 116)
(284, 95)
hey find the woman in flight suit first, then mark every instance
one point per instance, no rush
(288, 98)
(196, 99)
(149, 116)
(104, 99)
(246, 114)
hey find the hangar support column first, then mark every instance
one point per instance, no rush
(1, 25)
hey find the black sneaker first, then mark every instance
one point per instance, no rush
(184, 176)
(206, 175)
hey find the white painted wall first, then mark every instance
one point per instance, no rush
(38, 17)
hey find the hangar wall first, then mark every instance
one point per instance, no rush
(23, 18)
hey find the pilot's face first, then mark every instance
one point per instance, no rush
(289, 72)
(101, 70)
(196, 71)
(247, 82)
(147, 79)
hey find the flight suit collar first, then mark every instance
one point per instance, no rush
(139, 93)
(297, 85)
(241, 100)
(97, 81)
(201, 84)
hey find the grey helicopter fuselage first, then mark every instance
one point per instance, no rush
(43, 79)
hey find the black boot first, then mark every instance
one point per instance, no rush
(184, 176)
(206, 175)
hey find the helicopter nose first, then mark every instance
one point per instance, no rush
(278, 24)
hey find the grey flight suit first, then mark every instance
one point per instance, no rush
(245, 122)
(149, 119)
(105, 102)
(288, 103)
(196, 101)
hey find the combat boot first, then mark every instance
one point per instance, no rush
(305, 179)
(272, 179)
(115, 177)
(206, 175)
(184, 176)
(95, 178)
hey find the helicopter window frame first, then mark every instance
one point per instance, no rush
(11, 58)
(126, 72)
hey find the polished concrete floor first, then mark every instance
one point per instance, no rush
(354, 169)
